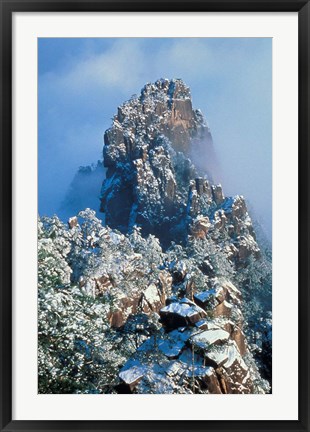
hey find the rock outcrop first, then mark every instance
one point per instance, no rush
(148, 154)
(153, 178)
(198, 352)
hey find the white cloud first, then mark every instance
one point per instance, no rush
(118, 67)
(185, 58)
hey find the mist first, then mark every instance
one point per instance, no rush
(83, 192)
(82, 81)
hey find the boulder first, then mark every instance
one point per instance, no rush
(171, 348)
(202, 324)
(204, 299)
(183, 313)
(236, 335)
(131, 377)
(220, 293)
(203, 341)
(165, 284)
(153, 299)
(189, 287)
(234, 294)
(217, 357)
(124, 306)
(225, 290)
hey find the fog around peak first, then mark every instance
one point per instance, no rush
(82, 81)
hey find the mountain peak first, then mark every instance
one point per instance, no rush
(174, 88)
(155, 178)
(163, 107)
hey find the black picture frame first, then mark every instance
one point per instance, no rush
(7, 9)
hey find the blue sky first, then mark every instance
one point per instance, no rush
(82, 81)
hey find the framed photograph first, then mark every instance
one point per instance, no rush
(154, 215)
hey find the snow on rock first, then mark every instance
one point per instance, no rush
(223, 309)
(200, 227)
(178, 314)
(234, 356)
(233, 294)
(132, 376)
(209, 337)
(217, 355)
(174, 368)
(203, 298)
(246, 246)
(171, 348)
(202, 324)
(148, 134)
(239, 378)
(132, 373)
(152, 297)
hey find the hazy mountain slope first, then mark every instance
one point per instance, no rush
(84, 190)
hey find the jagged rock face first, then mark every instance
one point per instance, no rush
(195, 353)
(148, 300)
(210, 212)
(147, 151)
(153, 182)
(164, 107)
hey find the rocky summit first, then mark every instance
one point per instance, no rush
(149, 153)
(158, 153)
(173, 293)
